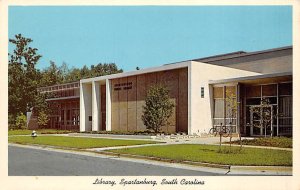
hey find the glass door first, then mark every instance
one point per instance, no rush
(261, 120)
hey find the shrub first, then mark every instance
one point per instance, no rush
(11, 122)
(21, 121)
(43, 119)
(282, 142)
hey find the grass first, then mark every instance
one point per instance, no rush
(282, 142)
(39, 131)
(210, 154)
(75, 142)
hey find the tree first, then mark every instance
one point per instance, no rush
(41, 109)
(232, 105)
(158, 108)
(51, 75)
(64, 71)
(101, 69)
(43, 119)
(41, 104)
(22, 76)
(73, 75)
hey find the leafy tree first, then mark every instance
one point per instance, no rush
(105, 69)
(21, 121)
(41, 109)
(158, 108)
(51, 75)
(41, 104)
(99, 70)
(64, 71)
(232, 105)
(55, 74)
(43, 119)
(84, 72)
(22, 75)
(73, 75)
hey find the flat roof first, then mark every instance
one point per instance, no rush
(239, 54)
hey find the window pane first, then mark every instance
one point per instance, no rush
(286, 89)
(218, 92)
(253, 101)
(219, 108)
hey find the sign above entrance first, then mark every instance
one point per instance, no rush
(123, 86)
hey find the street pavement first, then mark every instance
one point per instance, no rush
(39, 162)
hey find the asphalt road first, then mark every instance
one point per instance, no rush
(33, 162)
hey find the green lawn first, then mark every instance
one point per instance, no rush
(282, 142)
(75, 142)
(209, 154)
(39, 131)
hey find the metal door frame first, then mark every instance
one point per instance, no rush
(263, 131)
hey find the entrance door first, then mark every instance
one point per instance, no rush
(261, 120)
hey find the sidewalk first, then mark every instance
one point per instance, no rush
(167, 141)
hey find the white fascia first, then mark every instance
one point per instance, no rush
(138, 72)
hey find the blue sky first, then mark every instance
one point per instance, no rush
(147, 36)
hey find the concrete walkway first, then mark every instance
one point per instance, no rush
(121, 147)
(167, 141)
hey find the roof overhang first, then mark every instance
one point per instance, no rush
(265, 78)
(63, 98)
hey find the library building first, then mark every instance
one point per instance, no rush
(199, 88)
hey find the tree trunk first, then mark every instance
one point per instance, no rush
(220, 142)
(230, 142)
(241, 141)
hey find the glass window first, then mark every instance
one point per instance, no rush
(286, 89)
(253, 101)
(219, 108)
(218, 92)
(68, 116)
(62, 116)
